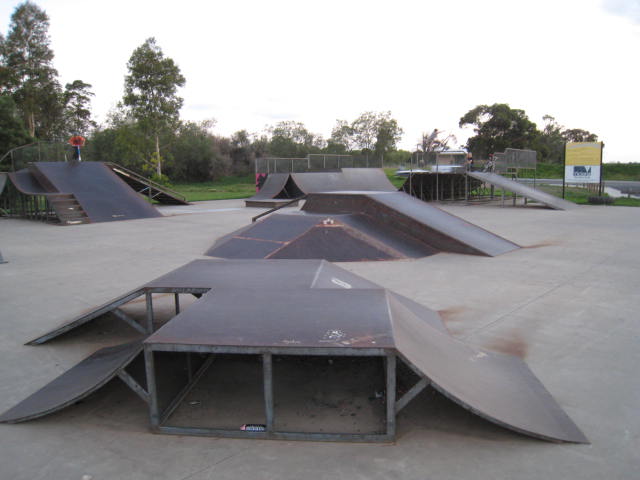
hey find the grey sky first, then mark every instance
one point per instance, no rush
(250, 63)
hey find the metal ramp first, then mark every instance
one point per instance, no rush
(80, 381)
(273, 192)
(281, 309)
(547, 199)
(200, 276)
(279, 188)
(76, 192)
(147, 187)
(360, 226)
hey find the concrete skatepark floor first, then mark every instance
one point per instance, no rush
(568, 304)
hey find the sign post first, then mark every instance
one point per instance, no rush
(583, 163)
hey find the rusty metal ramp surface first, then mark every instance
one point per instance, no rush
(204, 275)
(435, 227)
(74, 384)
(103, 195)
(547, 199)
(500, 388)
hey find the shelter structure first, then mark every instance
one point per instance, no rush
(281, 188)
(357, 226)
(318, 311)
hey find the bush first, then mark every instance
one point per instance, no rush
(601, 200)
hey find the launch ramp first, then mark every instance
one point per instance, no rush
(77, 383)
(533, 194)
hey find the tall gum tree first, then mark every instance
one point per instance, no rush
(27, 72)
(150, 93)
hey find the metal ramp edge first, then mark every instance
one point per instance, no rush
(79, 320)
(80, 381)
(497, 387)
(547, 199)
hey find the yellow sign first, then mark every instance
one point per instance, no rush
(583, 153)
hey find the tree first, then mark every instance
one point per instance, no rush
(203, 156)
(27, 70)
(12, 130)
(150, 93)
(342, 137)
(579, 135)
(374, 132)
(497, 127)
(292, 139)
(550, 142)
(77, 113)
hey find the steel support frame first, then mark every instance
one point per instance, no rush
(158, 419)
(113, 307)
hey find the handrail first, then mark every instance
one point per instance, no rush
(152, 183)
(277, 208)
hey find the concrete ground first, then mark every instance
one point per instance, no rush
(568, 303)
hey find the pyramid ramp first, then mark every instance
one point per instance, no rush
(336, 238)
(435, 227)
(546, 199)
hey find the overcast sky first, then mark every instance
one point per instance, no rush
(254, 63)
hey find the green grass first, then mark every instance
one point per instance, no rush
(244, 187)
(223, 189)
(581, 196)
(396, 181)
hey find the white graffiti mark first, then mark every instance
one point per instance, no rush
(340, 283)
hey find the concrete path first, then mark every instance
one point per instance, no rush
(568, 304)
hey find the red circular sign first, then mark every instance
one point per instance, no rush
(77, 141)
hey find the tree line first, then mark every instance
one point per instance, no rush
(145, 132)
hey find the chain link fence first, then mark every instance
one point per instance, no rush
(315, 163)
(513, 159)
(20, 157)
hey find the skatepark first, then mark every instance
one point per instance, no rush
(564, 303)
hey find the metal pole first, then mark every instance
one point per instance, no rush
(564, 163)
(149, 300)
(154, 413)
(177, 301)
(600, 187)
(411, 175)
(391, 394)
(267, 372)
